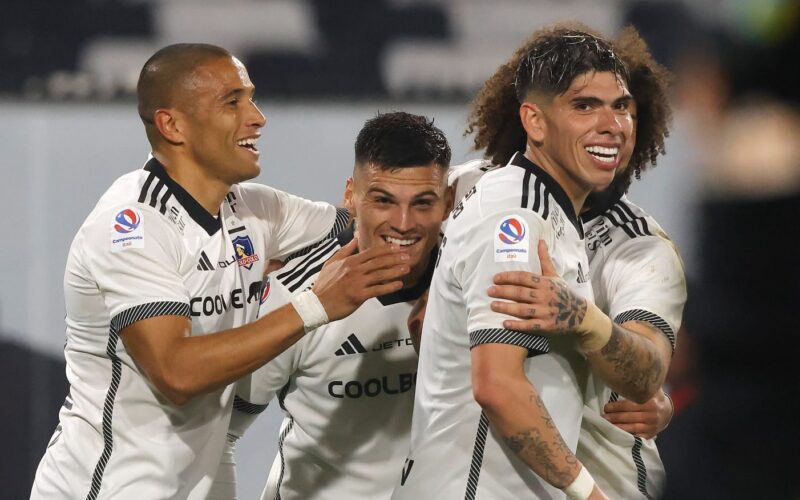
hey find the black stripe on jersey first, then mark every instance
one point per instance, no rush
(154, 193)
(647, 317)
(311, 272)
(546, 210)
(340, 223)
(310, 265)
(204, 262)
(119, 323)
(621, 216)
(641, 470)
(526, 180)
(614, 397)
(477, 458)
(243, 406)
(643, 229)
(236, 229)
(610, 215)
(108, 413)
(535, 344)
(550, 188)
(290, 268)
(281, 397)
(146, 187)
(164, 200)
(145, 311)
(537, 195)
(195, 210)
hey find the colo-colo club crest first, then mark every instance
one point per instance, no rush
(244, 253)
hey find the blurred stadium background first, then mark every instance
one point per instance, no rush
(68, 127)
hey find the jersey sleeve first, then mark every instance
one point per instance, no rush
(503, 241)
(644, 281)
(134, 256)
(296, 222)
(255, 391)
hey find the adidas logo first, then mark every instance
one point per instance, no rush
(204, 264)
(582, 278)
(351, 346)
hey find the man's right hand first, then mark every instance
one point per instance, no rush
(349, 279)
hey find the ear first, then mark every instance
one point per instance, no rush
(449, 201)
(169, 125)
(533, 122)
(349, 203)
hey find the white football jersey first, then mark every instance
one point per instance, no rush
(637, 274)
(346, 390)
(149, 249)
(454, 453)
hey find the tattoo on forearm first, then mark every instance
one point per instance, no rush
(634, 358)
(548, 455)
(571, 308)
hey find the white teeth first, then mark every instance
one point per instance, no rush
(247, 142)
(397, 241)
(605, 155)
(602, 151)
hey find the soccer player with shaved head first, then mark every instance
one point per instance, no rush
(162, 290)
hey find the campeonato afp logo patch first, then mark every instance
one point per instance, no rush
(126, 221)
(511, 240)
(127, 230)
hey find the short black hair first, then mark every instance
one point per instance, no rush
(399, 139)
(162, 75)
(557, 57)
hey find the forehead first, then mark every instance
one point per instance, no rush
(216, 77)
(422, 178)
(597, 83)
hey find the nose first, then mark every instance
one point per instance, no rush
(609, 121)
(402, 219)
(255, 117)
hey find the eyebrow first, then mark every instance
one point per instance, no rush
(596, 101)
(236, 92)
(390, 195)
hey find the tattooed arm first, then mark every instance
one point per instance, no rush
(515, 410)
(634, 362)
(632, 359)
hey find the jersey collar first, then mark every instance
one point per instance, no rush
(600, 203)
(196, 211)
(405, 294)
(558, 193)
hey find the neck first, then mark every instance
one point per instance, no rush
(208, 191)
(412, 278)
(577, 194)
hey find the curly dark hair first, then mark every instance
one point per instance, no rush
(548, 62)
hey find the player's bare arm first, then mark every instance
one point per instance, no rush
(632, 358)
(182, 366)
(514, 408)
(644, 420)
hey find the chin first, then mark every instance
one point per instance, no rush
(251, 172)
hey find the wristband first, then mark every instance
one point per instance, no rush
(310, 310)
(671, 413)
(581, 487)
(595, 329)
